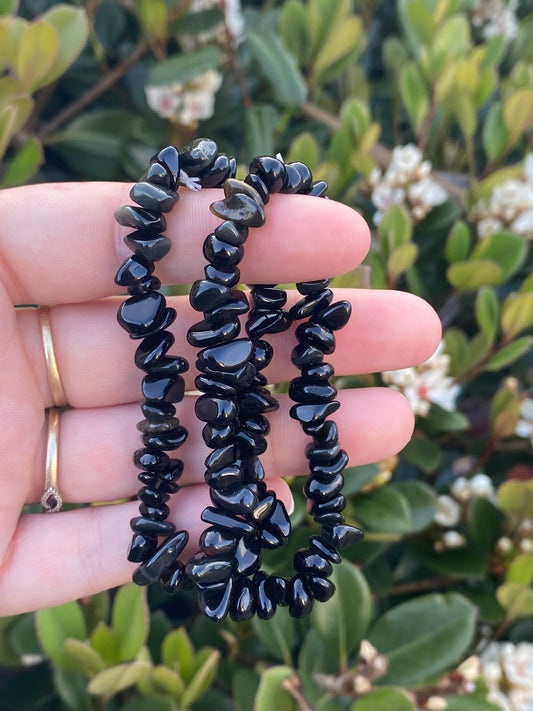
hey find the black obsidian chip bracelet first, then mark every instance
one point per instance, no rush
(245, 517)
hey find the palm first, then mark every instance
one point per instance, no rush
(60, 245)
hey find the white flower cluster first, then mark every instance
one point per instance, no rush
(508, 670)
(185, 103)
(524, 428)
(407, 181)
(496, 18)
(232, 26)
(427, 383)
(510, 206)
(522, 540)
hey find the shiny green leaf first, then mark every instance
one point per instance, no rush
(337, 51)
(244, 685)
(153, 16)
(520, 570)
(455, 563)
(202, 678)
(474, 273)
(24, 163)
(130, 620)
(278, 67)
(422, 502)
(509, 353)
(292, 27)
(177, 652)
(55, 625)
(401, 259)
(485, 523)
(278, 635)
(424, 637)
(518, 113)
(184, 67)
(516, 499)
(469, 702)
(517, 313)
(488, 311)
(37, 51)
(414, 93)
(71, 688)
(105, 641)
(305, 148)
(506, 249)
(385, 699)
(87, 659)
(495, 134)
(110, 681)
(384, 510)
(8, 117)
(516, 600)
(395, 229)
(422, 452)
(166, 681)
(271, 694)
(71, 26)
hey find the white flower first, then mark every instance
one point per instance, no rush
(523, 224)
(470, 668)
(524, 428)
(521, 699)
(488, 226)
(517, 663)
(499, 699)
(427, 192)
(526, 527)
(233, 18)
(496, 18)
(526, 545)
(460, 489)
(385, 195)
(527, 168)
(481, 486)
(186, 103)
(164, 100)
(436, 703)
(509, 667)
(490, 664)
(504, 545)
(448, 512)
(405, 160)
(453, 539)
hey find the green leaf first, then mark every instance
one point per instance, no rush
(71, 26)
(4, 48)
(485, 523)
(278, 635)
(337, 51)
(202, 679)
(71, 688)
(458, 243)
(384, 510)
(8, 7)
(130, 620)
(518, 113)
(84, 658)
(414, 93)
(440, 420)
(395, 228)
(506, 249)
(153, 16)
(495, 134)
(473, 273)
(453, 36)
(469, 702)
(305, 148)
(260, 123)
(385, 699)
(508, 354)
(111, 681)
(488, 311)
(516, 499)
(422, 502)
(504, 412)
(24, 164)
(244, 684)
(424, 637)
(517, 313)
(183, 67)
(423, 453)
(520, 570)
(37, 51)
(338, 628)
(456, 563)
(167, 681)
(293, 30)
(278, 67)
(177, 652)
(271, 694)
(421, 20)
(401, 259)
(356, 478)
(57, 624)
(8, 116)
(516, 600)
(314, 657)
(465, 113)
(105, 642)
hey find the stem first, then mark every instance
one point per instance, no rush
(294, 687)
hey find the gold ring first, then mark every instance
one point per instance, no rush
(54, 379)
(51, 500)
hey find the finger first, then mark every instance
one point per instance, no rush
(73, 554)
(96, 446)
(387, 330)
(68, 246)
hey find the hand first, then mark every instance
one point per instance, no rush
(59, 244)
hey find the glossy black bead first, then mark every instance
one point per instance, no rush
(307, 561)
(335, 316)
(214, 601)
(256, 424)
(139, 314)
(226, 276)
(329, 519)
(253, 469)
(325, 548)
(247, 555)
(335, 505)
(322, 589)
(277, 589)
(236, 306)
(343, 535)
(264, 506)
(259, 489)
(152, 497)
(305, 354)
(218, 171)
(216, 437)
(239, 187)
(278, 521)
(174, 578)
(142, 547)
(237, 500)
(229, 356)
(239, 208)
(262, 354)
(268, 298)
(150, 246)
(156, 513)
(149, 571)
(215, 387)
(271, 541)
(163, 387)
(157, 484)
(207, 570)
(157, 410)
(158, 175)
(261, 322)
(224, 478)
(326, 434)
(148, 427)
(301, 390)
(322, 454)
(313, 413)
(318, 372)
(172, 471)
(265, 606)
(213, 541)
(258, 400)
(299, 596)
(222, 253)
(147, 526)
(153, 197)
(321, 491)
(271, 171)
(133, 271)
(152, 348)
(140, 219)
(206, 295)
(225, 520)
(169, 157)
(251, 444)
(311, 287)
(326, 472)
(256, 182)
(198, 156)
(169, 316)
(318, 189)
(221, 457)
(204, 334)
(309, 305)
(242, 606)
(149, 284)
(232, 233)
(299, 178)
(150, 459)
(166, 440)
(317, 335)
(259, 380)
(216, 411)
(169, 366)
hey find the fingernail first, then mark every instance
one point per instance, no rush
(291, 505)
